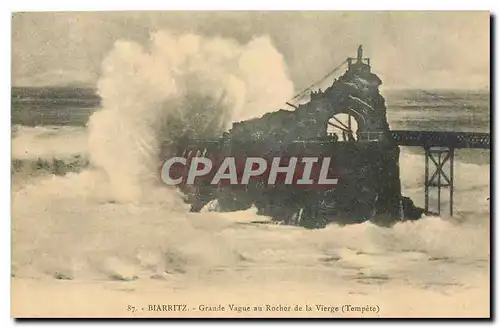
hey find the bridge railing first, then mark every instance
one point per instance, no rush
(442, 138)
(370, 136)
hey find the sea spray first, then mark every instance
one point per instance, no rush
(176, 85)
(66, 227)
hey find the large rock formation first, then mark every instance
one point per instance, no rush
(369, 183)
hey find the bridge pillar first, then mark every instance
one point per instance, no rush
(437, 178)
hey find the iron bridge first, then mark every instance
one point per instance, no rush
(439, 149)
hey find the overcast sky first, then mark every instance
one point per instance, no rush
(413, 49)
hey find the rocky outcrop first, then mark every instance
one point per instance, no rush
(369, 180)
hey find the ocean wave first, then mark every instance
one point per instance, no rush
(99, 211)
(43, 166)
(48, 142)
(83, 232)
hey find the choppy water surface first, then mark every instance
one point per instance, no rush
(75, 218)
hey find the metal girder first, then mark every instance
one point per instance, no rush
(439, 157)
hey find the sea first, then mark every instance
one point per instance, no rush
(79, 251)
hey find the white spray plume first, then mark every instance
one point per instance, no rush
(177, 85)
